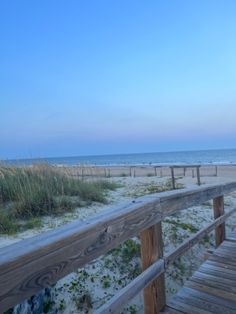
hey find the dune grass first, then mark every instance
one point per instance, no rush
(27, 193)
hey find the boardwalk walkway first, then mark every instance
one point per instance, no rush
(211, 289)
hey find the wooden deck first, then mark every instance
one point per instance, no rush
(211, 289)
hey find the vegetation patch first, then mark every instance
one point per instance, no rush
(167, 186)
(27, 193)
(153, 187)
(185, 226)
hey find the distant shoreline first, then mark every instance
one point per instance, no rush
(203, 157)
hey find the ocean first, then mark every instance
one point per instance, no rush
(221, 156)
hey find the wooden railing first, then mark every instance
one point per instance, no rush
(33, 264)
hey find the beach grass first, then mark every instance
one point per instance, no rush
(27, 193)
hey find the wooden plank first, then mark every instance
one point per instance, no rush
(115, 304)
(151, 251)
(221, 265)
(226, 252)
(227, 260)
(217, 272)
(227, 248)
(215, 278)
(231, 236)
(205, 303)
(218, 207)
(180, 304)
(228, 244)
(201, 295)
(212, 281)
(169, 310)
(213, 290)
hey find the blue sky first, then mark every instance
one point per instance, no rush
(100, 77)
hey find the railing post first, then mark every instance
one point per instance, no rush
(216, 171)
(151, 251)
(218, 207)
(172, 177)
(198, 176)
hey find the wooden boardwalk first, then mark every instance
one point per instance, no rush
(211, 289)
(28, 266)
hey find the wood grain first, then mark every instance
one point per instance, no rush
(151, 251)
(218, 208)
(211, 289)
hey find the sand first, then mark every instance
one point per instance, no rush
(99, 280)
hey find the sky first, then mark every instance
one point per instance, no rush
(105, 77)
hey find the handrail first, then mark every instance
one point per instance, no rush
(189, 243)
(32, 264)
(156, 269)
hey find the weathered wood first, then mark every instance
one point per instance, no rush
(203, 296)
(184, 172)
(169, 310)
(189, 243)
(180, 304)
(198, 175)
(217, 271)
(186, 166)
(151, 251)
(115, 304)
(203, 302)
(35, 263)
(192, 173)
(173, 201)
(211, 289)
(218, 207)
(222, 283)
(172, 177)
(30, 265)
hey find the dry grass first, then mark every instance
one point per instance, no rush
(30, 192)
